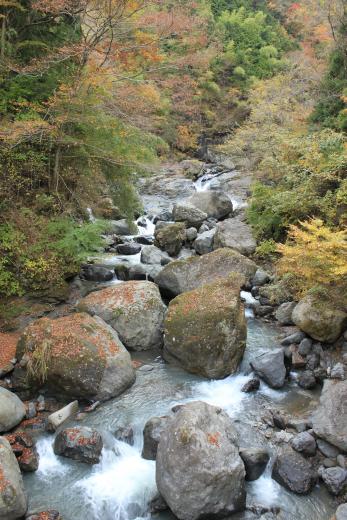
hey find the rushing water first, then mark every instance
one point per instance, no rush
(122, 484)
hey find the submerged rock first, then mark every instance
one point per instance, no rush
(205, 329)
(12, 410)
(199, 471)
(186, 275)
(319, 319)
(329, 421)
(79, 443)
(270, 367)
(13, 500)
(294, 472)
(251, 386)
(216, 204)
(134, 309)
(236, 234)
(81, 357)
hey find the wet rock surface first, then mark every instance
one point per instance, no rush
(294, 472)
(270, 367)
(80, 443)
(255, 461)
(13, 500)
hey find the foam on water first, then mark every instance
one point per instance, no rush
(50, 464)
(265, 490)
(121, 485)
(147, 229)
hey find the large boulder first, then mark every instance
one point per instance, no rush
(294, 472)
(12, 410)
(80, 443)
(199, 471)
(270, 367)
(329, 421)
(236, 234)
(216, 204)
(187, 213)
(319, 319)
(205, 329)
(134, 309)
(13, 501)
(78, 355)
(153, 255)
(121, 227)
(185, 275)
(204, 242)
(170, 238)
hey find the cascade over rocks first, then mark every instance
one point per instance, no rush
(13, 500)
(236, 234)
(82, 357)
(134, 309)
(216, 204)
(329, 421)
(79, 443)
(205, 329)
(185, 275)
(12, 410)
(319, 319)
(199, 471)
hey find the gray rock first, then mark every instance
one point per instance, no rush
(255, 461)
(304, 443)
(305, 347)
(204, 242)
(13, 500)
(261, 277)
(330, 419)
(151, 436)
(189, 214)
(185, 275)
(121, 227)
(170, 238)
(251, 386)
(130, 248)
(338, 371)
(236, 234)
(294, 472)
(327, 449)
(341, 512)
(284, 313)
(57, 418)
(153, 255)
(191, 234)
(335, 479)
(198, 452)
(307, 380)
(319, 320)
(96, 273)
(205, 329)
(12, 410)
(270, 367)
(80, 443)
(216, 204)
(134, 309)
(125, 434)
(340, 459)
(293, 339)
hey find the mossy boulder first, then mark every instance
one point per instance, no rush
(170, 238)
(319, 318)
(205, 329)
(134, 309)
(277, 293)
(79, 356)
(185, 275)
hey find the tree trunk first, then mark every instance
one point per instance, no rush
(3, 38)
(55, 179)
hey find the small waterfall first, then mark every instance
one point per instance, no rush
(91, 217)
(50, 465)
(145, 226)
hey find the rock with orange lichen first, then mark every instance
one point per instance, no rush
(13, 500)
(45, 515)
(205, 329)
(77, 356)
(134, 309)
(79, 443)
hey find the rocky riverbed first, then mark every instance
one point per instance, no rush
(196, 388)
